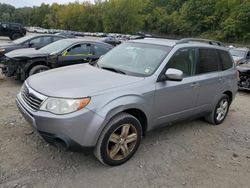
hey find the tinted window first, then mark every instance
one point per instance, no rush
(56, 38)
(80, 49)
(208, 61)
(101, 50)
(183, 60)
(35, 41)
(226, 61)
(46, 40)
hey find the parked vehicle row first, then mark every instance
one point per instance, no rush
(30, 41)
(241, 58)
(25, 62)
(107, 106)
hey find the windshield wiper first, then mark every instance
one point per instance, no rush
(113, 70)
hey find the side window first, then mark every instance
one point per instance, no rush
(183, 60)
(80, 49)
(101, 50)
(46, 40)
(35, 41)
(5, 25)
(208, 61)
(56, 39)
(226, 61)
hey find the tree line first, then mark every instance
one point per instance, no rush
(226, 20)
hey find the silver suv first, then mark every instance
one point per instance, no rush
(136, 87)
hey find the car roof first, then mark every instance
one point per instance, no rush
(78, 40)
(183, 42)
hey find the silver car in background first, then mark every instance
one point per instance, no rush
(138, 86)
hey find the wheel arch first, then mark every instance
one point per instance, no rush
(230, 95)
(29, 66)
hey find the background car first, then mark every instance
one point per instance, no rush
(68, 35)
(23, 63)
(31, 41)
(244, 75)
(240, 54)
(111, 40)
(12, 30)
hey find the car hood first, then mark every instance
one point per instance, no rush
(236, 58)
(26, 52)
(78, 81)
(10, 46)
(243, 67)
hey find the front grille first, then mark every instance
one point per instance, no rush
(30, 99)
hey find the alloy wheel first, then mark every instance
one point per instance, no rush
(122, 142)
(222, 110)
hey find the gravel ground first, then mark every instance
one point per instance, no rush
(187, 154)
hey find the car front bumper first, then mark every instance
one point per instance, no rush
(76, 130)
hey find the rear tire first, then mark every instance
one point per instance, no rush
(119, 140)
(15, 36)
(220, 111)
(37, 69)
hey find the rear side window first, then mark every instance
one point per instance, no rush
(226, 61)
(208, 61)
(56, 39)
(46, 40)
(80, 49)
(101, 49)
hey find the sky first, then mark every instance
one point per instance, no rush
(30, 3)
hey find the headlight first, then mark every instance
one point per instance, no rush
(2, 50)
(64, 106)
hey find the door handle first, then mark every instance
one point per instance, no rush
(195, 85)
(86, 59)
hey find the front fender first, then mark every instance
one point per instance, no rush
(121, 104)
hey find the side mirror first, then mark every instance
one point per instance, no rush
(31, 44)
(172, 74)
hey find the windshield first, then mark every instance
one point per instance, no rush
(22, 39)
(135, 58)
(56, 47)
(238, 53)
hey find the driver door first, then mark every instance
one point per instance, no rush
(78, 53)
(176, 100)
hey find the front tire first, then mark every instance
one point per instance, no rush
(119, 140)
(37, 69)
(220, 111)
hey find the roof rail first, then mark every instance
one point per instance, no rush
(211, 42)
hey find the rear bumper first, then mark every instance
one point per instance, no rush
(78, 130)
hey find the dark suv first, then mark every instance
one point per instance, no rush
(12, 30)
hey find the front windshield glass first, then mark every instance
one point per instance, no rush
(136, 59)
(238, 53)
(22, 39)
(56, 47)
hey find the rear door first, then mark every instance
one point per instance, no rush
(78, 53)
(209, 78)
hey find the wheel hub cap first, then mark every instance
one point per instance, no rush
(122, 142)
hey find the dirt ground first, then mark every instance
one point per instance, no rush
(189, 154)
